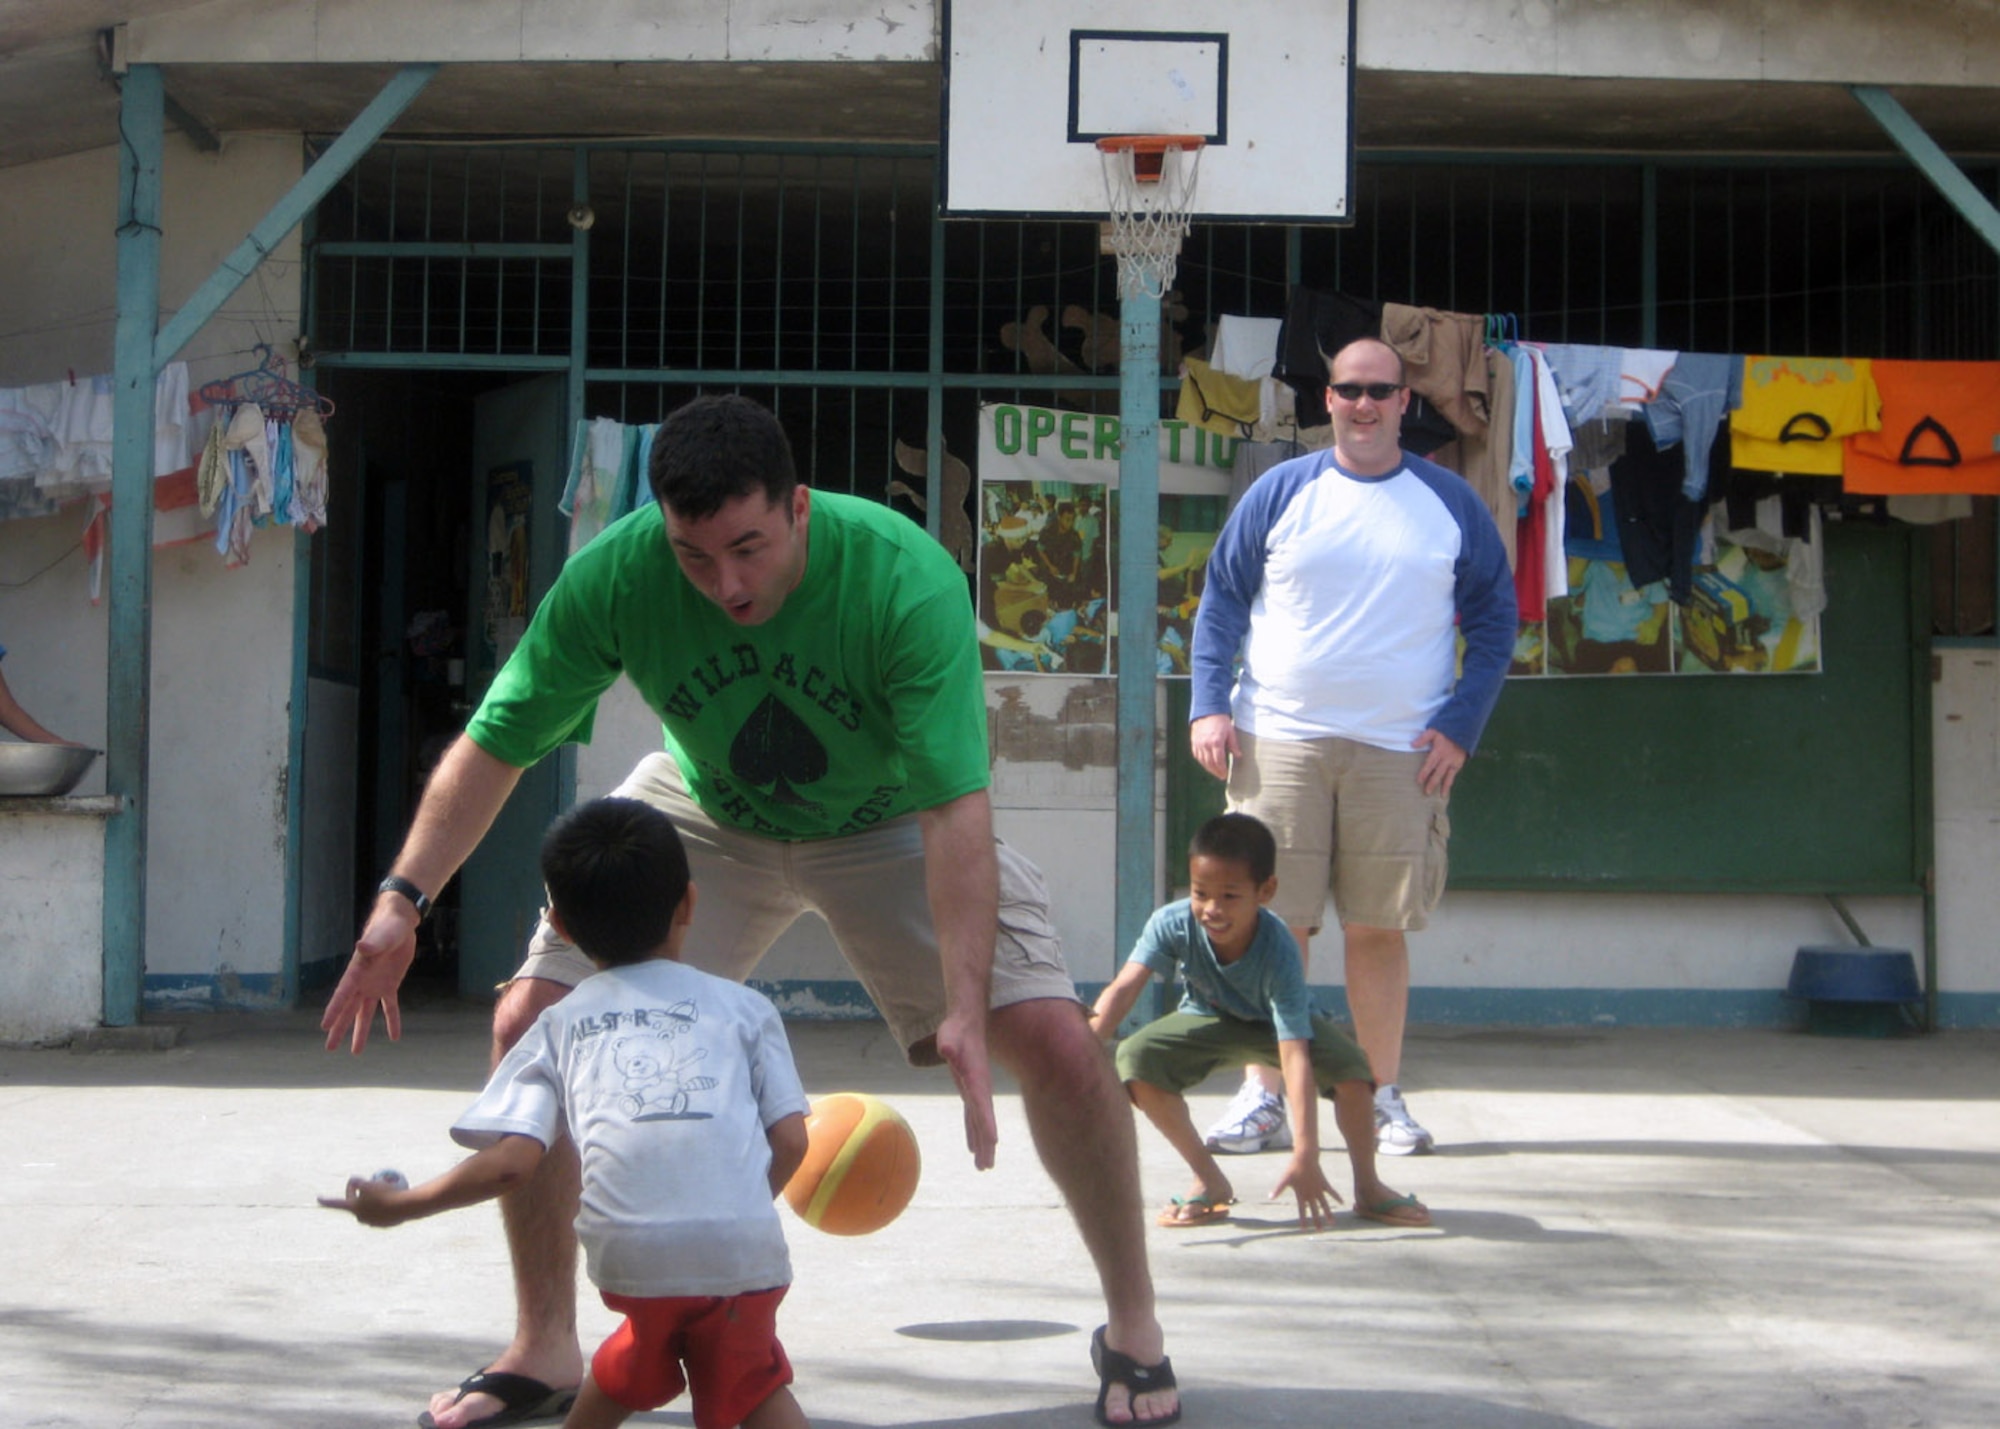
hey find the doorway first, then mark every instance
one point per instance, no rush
(432, 463)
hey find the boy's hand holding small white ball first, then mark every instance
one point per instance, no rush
(368, 1198)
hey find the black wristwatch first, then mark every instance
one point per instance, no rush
(396, 883)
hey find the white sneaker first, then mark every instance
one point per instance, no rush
(1255, 1121)
(1396, 1131)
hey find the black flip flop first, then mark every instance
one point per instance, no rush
(522, 1400)
(1116, 1367)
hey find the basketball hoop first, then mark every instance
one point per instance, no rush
(1148, 186)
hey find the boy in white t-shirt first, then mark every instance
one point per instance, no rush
(680, 1092)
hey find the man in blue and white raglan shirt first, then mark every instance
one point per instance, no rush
(1341, 581)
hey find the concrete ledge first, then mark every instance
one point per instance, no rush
(89, 805)
(159, 1037)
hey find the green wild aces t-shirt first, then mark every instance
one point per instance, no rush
(861, 700)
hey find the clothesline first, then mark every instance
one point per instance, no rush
(223, 465)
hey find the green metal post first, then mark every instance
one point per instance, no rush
(1138, 579)
(290, 211)
(574, 394)
(141, 124)
(1932, 161)
(934, 369)
(579, 295)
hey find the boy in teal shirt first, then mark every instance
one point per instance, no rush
(1243, 1000)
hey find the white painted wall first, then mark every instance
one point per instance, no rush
(327, 838)
(633, 31)
(1917, 42)
(51, 921)
(1965, 743)
(1928, 42)
(222, 639)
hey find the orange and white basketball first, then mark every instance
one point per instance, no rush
(861, 1165)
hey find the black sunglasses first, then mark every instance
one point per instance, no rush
(1377, 391)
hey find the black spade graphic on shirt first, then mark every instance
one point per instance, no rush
(776, 752)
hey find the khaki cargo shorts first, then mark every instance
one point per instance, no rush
(1350, 817)
(870, 889)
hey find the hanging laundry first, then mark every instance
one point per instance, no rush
(1252, 460)
(247, 439)
(1795, 410)
(1695, 399)
(267, 491)
(212, 477)
(1554, 442)
(1587, 378)
(1521, 454)
(1531, 543)
(83, 434)
(1245, 346)
(1485, 458)
(1642, 372)
(307, 509)
(1658, 528)
(56, 437)
(1929, 510)
(1939, 432)
(1597, 444)
(283, 472)
(1591, 521)
(1216, 401)
(635, 488)
(1317, 325)
(1444, 359)
(597, 459)
(27, 429)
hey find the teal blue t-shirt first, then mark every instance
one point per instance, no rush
(859, 701)
(1266, 984)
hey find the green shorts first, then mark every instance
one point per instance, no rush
(1183, 1049)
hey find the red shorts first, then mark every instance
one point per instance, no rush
(723, 1347)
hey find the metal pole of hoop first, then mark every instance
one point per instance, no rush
(1148, 181)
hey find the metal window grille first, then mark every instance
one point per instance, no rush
(818, 278)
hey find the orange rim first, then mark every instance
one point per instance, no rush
(1149, 150)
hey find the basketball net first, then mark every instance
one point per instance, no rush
(1148, 187)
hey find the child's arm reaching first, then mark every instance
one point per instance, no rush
(480, 1177)
(1117, 998)
(787, 1136)
(1316, 1196)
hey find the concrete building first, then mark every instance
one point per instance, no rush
(481, 225)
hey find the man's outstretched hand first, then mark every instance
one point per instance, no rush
(382, 955)
(962, 1044)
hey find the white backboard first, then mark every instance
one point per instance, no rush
(1030, 85)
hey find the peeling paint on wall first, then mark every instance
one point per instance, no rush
(1083, 734)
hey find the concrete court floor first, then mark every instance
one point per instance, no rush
(1634, 1228)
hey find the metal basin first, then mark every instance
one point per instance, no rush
(42, 770)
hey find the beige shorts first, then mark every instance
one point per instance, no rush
(1350, 817)
(870, 889)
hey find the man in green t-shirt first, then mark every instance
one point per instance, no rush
(813, 661)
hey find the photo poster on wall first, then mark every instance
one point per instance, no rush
(1742, 617)
(1048, 524)
(510, 493)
